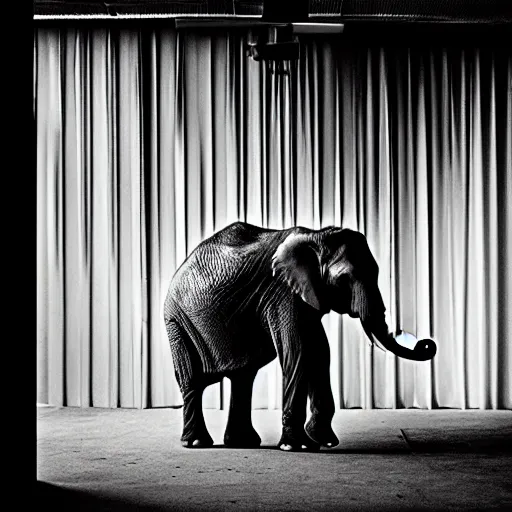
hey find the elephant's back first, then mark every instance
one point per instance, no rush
(224, 268)
(239, 234)
(214, 296)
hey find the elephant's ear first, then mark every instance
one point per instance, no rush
(296, 260)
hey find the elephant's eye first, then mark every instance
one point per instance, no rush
(342, 281)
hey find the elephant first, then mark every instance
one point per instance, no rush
(248, 294)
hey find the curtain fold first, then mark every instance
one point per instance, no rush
(149, 141)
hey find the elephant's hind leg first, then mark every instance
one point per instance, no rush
(195, 434)
(191, 382)
(239, 430)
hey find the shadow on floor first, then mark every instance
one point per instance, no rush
(459, 440)
(54, 497)
(414, 443)
(363, 450)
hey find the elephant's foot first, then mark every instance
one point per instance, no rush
(321, 433)
(198, 440)
(297, 442)
(241, 438)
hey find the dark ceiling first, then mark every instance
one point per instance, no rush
(458, 11)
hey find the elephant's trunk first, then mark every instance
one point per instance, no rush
(366, 300)
(367, 304)
(424, 350)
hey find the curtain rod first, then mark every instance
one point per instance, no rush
(141, 16)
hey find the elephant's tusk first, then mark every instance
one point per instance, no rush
(378, 344)
(374, 342)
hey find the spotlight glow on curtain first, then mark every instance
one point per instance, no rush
(149, 141)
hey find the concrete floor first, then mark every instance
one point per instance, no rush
(96, 459)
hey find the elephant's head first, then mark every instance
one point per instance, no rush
(334, 269)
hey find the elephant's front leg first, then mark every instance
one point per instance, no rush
(295, 389)
(290, 342)
(321, 400)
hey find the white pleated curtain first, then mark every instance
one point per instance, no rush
(149, 141)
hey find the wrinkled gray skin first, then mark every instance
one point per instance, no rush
(247, 293)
